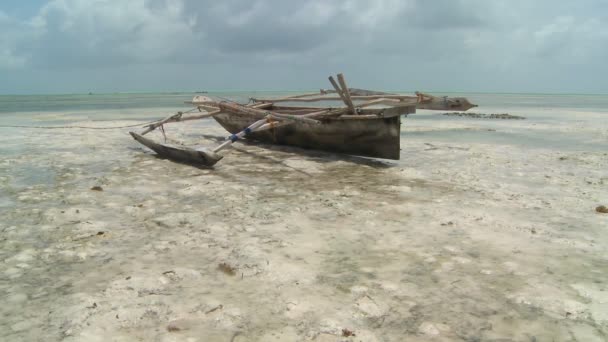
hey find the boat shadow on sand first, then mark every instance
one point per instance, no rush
(246, 148)
(311, 155)
(281, 166)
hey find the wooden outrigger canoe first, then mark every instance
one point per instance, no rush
(360, 128)
(370, 135)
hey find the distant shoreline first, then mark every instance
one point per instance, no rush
(296, 91)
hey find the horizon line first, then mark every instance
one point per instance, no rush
(180, 92)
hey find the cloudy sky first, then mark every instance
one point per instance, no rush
(58, 46)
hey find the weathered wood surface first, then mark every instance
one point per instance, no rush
(389, 111)
(298, 96)
(403, 109)
(211, 111)
(431, 102)
(434, 103)
(179, 153)
(308, 117)
(297, 118)
(372, 137)
(424, 101)
(359, 92)
(155, 125)
(178, 118)
(242, 110)
(336, 98)
(207, 108)
(241, 134)
(337, 90)
(344, 88)
(355, 129)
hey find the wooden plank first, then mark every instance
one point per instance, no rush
(295, 111)
(207, 108)
(396, 106)
(239, 135)
(179, 153)
(258, 113)
(399, 107)
(179, 118)
(297, 118)
(280, 108)
(227, 107)
(427, 102)
(288, 97)
(444, 103)
(378, 137)
(326, 113)
(346, 94)
(335, 98)
(358, 117)
(388, 102)
(338, 90)
(359, 92)
(389, 112)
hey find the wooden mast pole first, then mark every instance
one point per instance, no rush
(346, 94)
(339, 91)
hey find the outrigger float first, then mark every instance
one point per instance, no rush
(367, 125)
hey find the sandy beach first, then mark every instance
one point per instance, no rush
(485, 230)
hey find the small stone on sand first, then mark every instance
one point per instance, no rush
(227, 268)
(347, 333)
(602, 209)
(173, 328)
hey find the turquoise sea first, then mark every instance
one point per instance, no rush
(122, 101)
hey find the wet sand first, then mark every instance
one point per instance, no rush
(480, 239)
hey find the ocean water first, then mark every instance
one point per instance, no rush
(564, 112)
(125, 101)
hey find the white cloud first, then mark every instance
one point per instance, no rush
(83, 33)
(312, 13)
(12, 33)
(497, 42)
(572, 40)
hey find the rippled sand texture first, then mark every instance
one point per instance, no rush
(459, 241)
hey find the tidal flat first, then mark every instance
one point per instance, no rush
(485, 230)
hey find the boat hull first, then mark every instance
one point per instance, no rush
(179, 153)
(375, 137)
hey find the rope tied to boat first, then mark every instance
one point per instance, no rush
(177, 117)
(272, 129)
(144, 124)
(162, 130)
